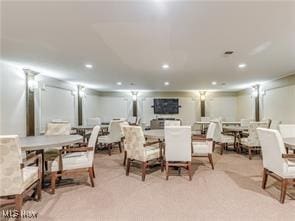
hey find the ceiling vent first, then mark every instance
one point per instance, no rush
(228, 52)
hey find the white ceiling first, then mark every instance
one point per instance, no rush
(129, 41)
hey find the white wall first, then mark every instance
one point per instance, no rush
(12, 100)
(279, 104)
(91, 107)
(245, 106)
(221, 106)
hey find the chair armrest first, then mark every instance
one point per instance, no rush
(202, 139)
(288, 155)
(151, 143)
(35, 159)
(76, 149)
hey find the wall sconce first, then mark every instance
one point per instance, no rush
(32, 84)
(134, 95)
(255, 91)
(203, 95)
(81, 91)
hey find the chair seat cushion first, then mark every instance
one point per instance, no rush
(71, 161)
(201, 148)
(151, 152)
(30, 175)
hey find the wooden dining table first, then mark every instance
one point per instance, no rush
(42, 143)
(236, 131)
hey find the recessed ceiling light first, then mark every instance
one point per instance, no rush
(89, 66)
(214, 83)
(166, 83)
(165, 66)
(243, 65)
(119, 83)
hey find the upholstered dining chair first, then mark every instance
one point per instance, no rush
(178, 140)
(114, 136)
(17, 177)
(168, 123)
(251, 143)
(132, 120)
(203, 147)
(276, 162)
(138, 150)
(221, 138)
(275, 124)
(124, 124)
(73, 160)
(55, 129)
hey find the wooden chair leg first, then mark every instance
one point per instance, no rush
(18, 205)
(39, 189)
(53, 180)
(264, 178)
(162, 164)
(144, 165)
(120, 147)
(283, 190)
(190, 170)
(90, 172)
(109, 149)
(93, 171)
(128, 167)
(221, 148)
(167, 170)
(213, 146)
(125, 157)
(250, 153)
(211, 161)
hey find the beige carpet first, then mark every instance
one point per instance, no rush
(231, 192)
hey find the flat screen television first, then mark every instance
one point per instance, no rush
(166, 106)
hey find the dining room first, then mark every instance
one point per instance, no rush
(108, 108)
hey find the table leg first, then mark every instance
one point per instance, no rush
(43, 165)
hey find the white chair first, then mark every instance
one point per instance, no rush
(138, 150)
(168, 123)
(93, 121)
(276, 162)
(204, 147)
(54, 129)
(275, 124)
(178, 143)
(114, 136)
(122, 125)
(287, 130)
(132, 120)
(74, 160)
(219, 137)
(17, 177)
(252, 142)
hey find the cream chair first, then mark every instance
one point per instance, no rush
(275, 124)
(16, 177)
(73, 160)
(138, 150)
(251, 143)
(132, 120)
(124, 124)
(276, 162)
(168, 123)
(204, 147)
(114, 136)
(287, 130)
(54, 129)
(224, 140)
(178, 148)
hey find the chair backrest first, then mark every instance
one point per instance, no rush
(134, 139)
(132, 120)
(123, 124)
(267, 121)
(178, 141)
(212, 132)
(138, 121)
(168, 123)
(275, 124)
(58, 129)
(115, 130)
(205, 119)
(93, 137)
(253, 139)
(10, 160)
(287, 130)
(272, 147)
(93, 121)
(245, 122)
